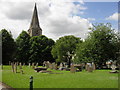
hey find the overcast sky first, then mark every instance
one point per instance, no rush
(57, 17)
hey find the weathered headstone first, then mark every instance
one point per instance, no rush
(72, 69)
(17, 63)
(66, 66)
(20, 65)
(86, 67)
(47, 65)
(50, 66)
(21, 70)
(90, 69)
(9, 62)
(15, 67)
(61, 64)
(36, 65)
(54, 66)
(33, 66)
(113, 67)
(12, 64)
(29, 64)
(23, 64)
(94, 67)
(44, 63)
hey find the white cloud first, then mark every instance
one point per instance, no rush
(57, 17)
(113, 17)
(91, 19)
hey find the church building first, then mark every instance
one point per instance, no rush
(34, 29)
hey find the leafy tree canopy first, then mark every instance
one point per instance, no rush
(40, 49)
(22, 41)
(100, 46)
(8, 46)
(64, 48)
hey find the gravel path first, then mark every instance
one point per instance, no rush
(2, 85)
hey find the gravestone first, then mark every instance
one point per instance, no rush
(33, 66)
(47, 64)
(12, 65)
(17, 63)
(15, 67)
(54, 66)
(9, 62)
(90, 69)
(23, 64)
(36, 64)
(21, 70)
(44, 63)
(86, 67)
(78, 66)
(50, 66)
(20, 65)
(61, 66)
(94, 67)
(72, 69)
(113, 67)
(29, 64)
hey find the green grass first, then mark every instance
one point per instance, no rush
(96, 79)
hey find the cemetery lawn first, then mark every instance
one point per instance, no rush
(62, 79)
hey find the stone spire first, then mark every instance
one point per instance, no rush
(35, 29)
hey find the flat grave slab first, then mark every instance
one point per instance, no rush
(40, 68)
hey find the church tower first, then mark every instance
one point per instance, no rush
(35, 29)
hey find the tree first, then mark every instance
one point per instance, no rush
(118, 47)
(84, 52)
(8, 46)
(64, 48)
(23, 46)
(40, 49)
(99, 46)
